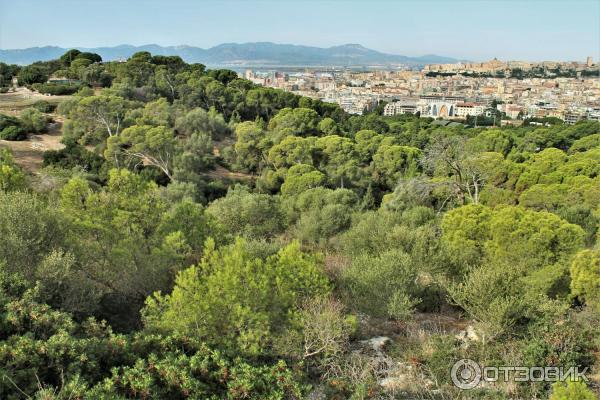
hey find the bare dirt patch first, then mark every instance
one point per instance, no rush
(29, 154)
(223, 173)
(13, 103)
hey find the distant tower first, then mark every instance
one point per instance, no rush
(589, 62)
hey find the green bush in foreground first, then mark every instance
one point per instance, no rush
(236, 300)
(59, 359)
(571, 391)
(13, 133)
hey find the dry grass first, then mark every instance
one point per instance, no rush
(13, 103)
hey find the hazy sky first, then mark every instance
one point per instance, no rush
(469, 29)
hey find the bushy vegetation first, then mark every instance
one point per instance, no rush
(13, 133)
(31, 120)
(56, 89)
(202, 237)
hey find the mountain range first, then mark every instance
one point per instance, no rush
(239, 54)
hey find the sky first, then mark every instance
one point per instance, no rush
(475, 30)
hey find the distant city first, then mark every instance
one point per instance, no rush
(512, 90)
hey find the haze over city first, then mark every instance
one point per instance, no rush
(463, 29)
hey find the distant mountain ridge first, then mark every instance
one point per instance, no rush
(238, 54)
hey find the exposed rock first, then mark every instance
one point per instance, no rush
(392, 383)
(468, 335)
(377, 343)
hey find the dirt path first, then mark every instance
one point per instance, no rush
(29, 154)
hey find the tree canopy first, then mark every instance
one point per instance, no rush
(203, 237)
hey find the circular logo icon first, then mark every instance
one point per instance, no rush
(465, 374)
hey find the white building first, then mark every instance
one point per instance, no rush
(325, 84)
(436, 108)
(400, 107)
(472, 109)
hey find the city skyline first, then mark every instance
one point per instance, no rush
(507, 30)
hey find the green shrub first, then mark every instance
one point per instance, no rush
(7, 120)
(32, 120)
(560, 341)
(585, 277)
(442, 353)
(571, 391)
(74, 155)
(44, 106)
(265, 294)
(13, 133)
(248, 214)
(382, 286)
(11, 177)
(57, 89)
(34, 73)
(492, 296)
(318, 225)
(61, 359)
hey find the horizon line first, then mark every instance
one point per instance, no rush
(457, 58)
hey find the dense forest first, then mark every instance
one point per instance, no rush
(202, 237)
